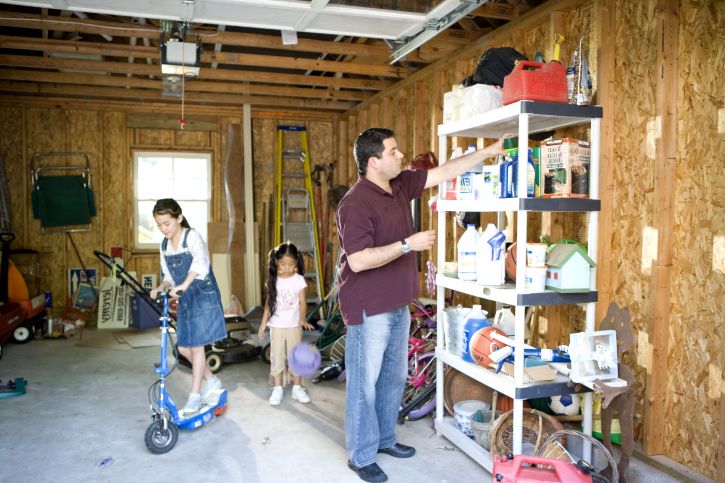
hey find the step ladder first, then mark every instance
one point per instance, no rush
(295, 218)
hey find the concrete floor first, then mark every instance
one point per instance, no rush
(85, 405)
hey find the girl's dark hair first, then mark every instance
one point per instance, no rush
(275, 254)
(169, 206)
(370, 143)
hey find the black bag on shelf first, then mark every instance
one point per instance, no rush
(494, 65)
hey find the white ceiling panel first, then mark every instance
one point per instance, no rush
(264, 14)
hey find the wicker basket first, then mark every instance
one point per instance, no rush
(536, 428)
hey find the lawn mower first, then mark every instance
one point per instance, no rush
(19, 313)
(12, 315)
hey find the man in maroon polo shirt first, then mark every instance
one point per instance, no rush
(378, 280)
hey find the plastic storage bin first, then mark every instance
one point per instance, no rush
(143, 316)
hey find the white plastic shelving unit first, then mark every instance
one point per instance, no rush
(522, 117)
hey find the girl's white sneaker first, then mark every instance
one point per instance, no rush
(276, 398)
(300, 395)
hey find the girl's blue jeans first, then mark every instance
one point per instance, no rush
(376, 367)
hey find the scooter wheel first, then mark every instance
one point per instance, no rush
(159, 440)
(214, 361)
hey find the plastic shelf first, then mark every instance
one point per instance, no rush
(505, 384)
(447, 428)
(543, 116)
(521, 204)
(506, 294)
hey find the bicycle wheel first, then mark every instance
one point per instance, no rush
(421, 376)
(420, 407)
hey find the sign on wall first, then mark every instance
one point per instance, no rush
(77, 276)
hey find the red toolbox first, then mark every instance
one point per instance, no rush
(535, 81)
(519, 470)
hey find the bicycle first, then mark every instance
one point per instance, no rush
(419, 392)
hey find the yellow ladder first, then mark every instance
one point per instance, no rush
(295, 217)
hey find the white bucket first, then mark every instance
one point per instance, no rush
(536, 254)
(463, 412)
(535, 279)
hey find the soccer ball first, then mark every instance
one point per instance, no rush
(567, 405)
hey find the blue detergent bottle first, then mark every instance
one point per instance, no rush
(476, 319)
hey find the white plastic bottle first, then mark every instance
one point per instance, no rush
(451, 190)
(489, 260)
(505, 320)
(465, 182)
(467, 246)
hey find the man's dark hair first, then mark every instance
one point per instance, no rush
(370, 143)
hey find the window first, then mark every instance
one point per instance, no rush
(182, 176)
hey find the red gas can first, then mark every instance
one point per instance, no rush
(535, 81)
(519, 470)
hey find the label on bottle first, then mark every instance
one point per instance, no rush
(467, 265)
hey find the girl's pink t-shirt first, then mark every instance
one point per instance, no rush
(287, 312)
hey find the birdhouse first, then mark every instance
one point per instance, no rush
(568, 268)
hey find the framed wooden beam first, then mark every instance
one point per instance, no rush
(153, 120)
(192, 85)
(144, 95)
(125, 50)
(658, 322)
(100, 67)
(605, 29)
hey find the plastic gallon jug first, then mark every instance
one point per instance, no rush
(505, 320)
(467, 246)
(475, 320)
(490, 259)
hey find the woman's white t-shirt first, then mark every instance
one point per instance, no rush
(194, 245)
(287, 312)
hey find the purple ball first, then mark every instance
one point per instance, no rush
(304, 360)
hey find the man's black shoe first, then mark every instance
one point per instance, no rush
(398, 451)
(371, 472)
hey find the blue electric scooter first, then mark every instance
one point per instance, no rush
(163, 432)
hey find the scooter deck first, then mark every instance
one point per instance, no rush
(205, 414)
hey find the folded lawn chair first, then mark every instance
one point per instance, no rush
(62, 195)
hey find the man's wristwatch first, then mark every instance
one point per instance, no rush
(406, 247)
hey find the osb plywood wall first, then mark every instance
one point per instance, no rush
(31, 131)
(109, 143)
(632, 216)
(694, 349)
(698, 271)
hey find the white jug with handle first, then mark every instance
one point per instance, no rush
(505, 320)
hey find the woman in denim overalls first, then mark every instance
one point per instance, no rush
(189, 278)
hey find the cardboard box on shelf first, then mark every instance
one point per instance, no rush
(564, 169)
